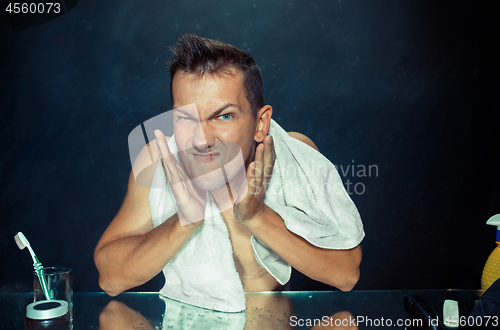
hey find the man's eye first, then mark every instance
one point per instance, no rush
(226, 116)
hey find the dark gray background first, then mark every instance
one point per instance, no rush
(409, 86)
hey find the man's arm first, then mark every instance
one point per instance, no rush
(131, 252)
(339, 268)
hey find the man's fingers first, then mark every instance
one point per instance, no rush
(160, 137)
(167, 171)
(161, 141)
(175, 173)
(172, 170)
(268, 158)
(250, 181)
(170, 165)
(256, 182)
(259, 164)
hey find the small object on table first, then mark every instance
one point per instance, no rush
(47, 314)
(450, 313)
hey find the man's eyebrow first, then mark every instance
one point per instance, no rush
(184, 112)
(213, 114)
(224, 107)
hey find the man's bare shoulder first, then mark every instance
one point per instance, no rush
(303, 138)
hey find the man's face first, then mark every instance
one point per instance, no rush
(213, 124)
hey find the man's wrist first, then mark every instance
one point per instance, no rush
(258, 219)
(188, 224)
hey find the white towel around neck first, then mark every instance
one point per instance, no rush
(305, 190)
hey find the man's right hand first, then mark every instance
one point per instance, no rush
(190, 199)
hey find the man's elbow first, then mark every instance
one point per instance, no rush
(349, 281)
(107, 283)
(113, 284)
(108, 287)
(344, 281)
(347, 278)
(350, 274)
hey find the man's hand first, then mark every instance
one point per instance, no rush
(190, 199)
(259, 174)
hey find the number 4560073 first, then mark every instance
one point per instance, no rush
(33, 8)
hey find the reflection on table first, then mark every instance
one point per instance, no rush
(266, 310)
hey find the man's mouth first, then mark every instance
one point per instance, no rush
(206, 158)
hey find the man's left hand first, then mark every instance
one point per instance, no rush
(259, 174)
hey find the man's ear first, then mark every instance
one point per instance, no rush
(263, 123)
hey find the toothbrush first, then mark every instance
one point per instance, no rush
(22, 243)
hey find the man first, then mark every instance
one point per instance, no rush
(217, 89)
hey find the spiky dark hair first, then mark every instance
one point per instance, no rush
(197, 55)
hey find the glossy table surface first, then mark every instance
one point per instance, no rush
(266, 310)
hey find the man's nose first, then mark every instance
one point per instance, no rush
(203, 138)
